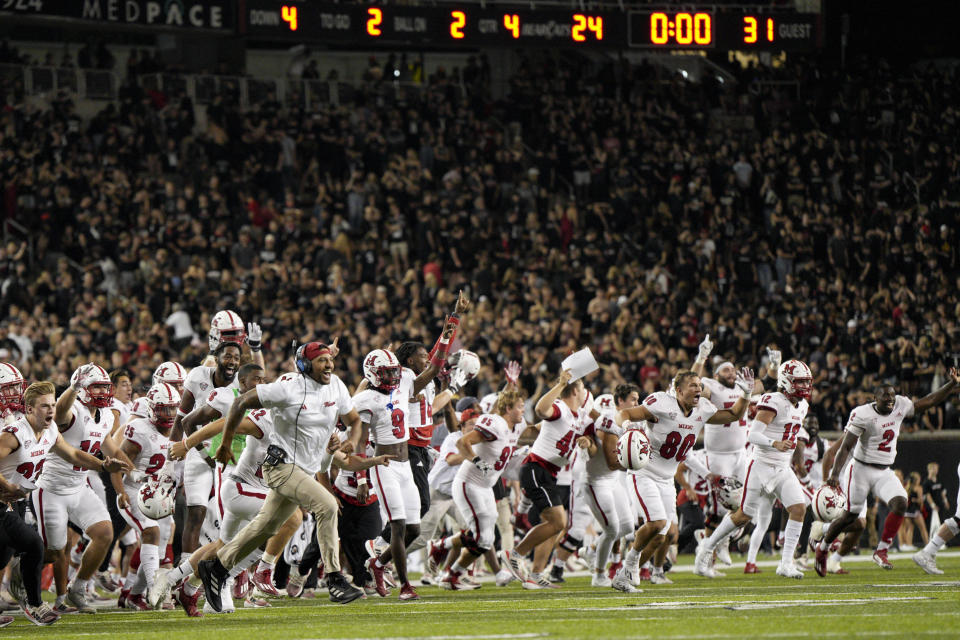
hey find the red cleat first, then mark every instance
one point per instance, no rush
(820, 562)
(645, 574)
(880, 557)
(841, 572)
(751, 568)
(377, 573)
(189, 603)
(122, 600)
(263, 580)
(407, 592)
(139, 602)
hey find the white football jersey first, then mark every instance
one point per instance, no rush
(495, 448)
(785, 425)
(811, 457)
(386, 413)
(672, 437)
(346, 481)
(699, 483)
(153, 448)
(248, 465)
(199, 382)
(420, 409)
(597, 468)
(489, 402)
(123, 410)
(84, 433)
(442, 474)
(557, 438)
(878, 433)
(724, 438)
(25, 465)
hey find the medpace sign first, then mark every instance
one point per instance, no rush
(217, 15)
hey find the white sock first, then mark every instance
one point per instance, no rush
(756, 538)
(557, 562)
(60, 598)
(791, 535)
(189, 588)
(632, 560)
(149, 561)
(835, 557)
(725, 528)
(936, 543)
(604, 544)
(181, 572)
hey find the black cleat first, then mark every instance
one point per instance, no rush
(213, 575)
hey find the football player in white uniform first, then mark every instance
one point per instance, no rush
(146, 441)
(550, 452)
(872, 433)
(674, 422)
(606, 493)
(486, 451)
(84, 419)
(12, 386)
(25, 446)
(226, 326)
(769, 475)
(198, 474)
(926, 558)
(383, 409)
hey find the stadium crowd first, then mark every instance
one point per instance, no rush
(589, 206)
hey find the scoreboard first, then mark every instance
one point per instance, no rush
(473, 26)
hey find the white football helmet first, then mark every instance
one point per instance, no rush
(382, 370)
(604, 402)
(633, 450)
(171, 373)
(157, 496)
(96, 388)
(794, 379)
(12, 387)
(162, 404)
(226, 328)
(828, 503)
(729, 493)
(139, 407)
(469, 364)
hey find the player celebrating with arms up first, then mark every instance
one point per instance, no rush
(674, 424)
(871, 433)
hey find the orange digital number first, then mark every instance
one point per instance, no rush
(769, 29)
(376, 19)
(684, 25)
(289, 15)
(579, 26)
(456, 26)
(659, 25)
(749, 29)
(595, 24)
(511, 23)
(703, 28)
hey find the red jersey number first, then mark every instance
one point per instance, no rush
(156, 463)
(676, 446)
(28, 469)
(399, 427)
(790, 432)
(564, 444)
(888, 437)
(93, 450)
(504, 458)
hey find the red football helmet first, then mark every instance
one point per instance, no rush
(794, 379)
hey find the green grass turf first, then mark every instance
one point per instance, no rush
(867, 603)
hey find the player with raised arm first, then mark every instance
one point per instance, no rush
(871, 433)
(674, 422)
(63, 495)
(769, 473)
(383, 409)
(486, 450)
(552, 449)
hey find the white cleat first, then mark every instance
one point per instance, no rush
(927, 562)
(601, 580)
(702, 566)
(158, 591)
(723, 553)
(623, 581)
(504, 577)
(657, 577)
(789, 570)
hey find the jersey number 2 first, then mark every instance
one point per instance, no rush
(888, 437)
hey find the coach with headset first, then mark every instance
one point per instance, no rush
(305, 406)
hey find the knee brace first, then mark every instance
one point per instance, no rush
(953, 524)
(570, 543)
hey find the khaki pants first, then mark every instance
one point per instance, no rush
(292, 488)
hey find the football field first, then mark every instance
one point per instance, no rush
(867, 603)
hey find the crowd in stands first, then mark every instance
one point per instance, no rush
(614, 207)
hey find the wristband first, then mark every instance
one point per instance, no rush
(255, 349)
(361, 482)
(475, 460)
(180, 414)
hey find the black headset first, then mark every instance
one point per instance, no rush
(304, 365)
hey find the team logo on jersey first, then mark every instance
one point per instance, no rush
(329, 404)
(203, 386)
